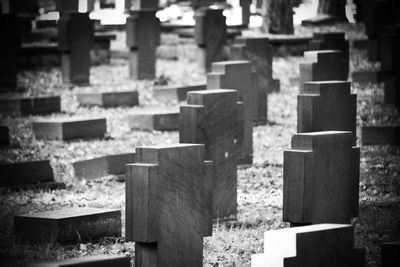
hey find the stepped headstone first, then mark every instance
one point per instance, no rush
(237, 75)
(30, 105)
(327, 106)
(67, 225)
(26, 173)
(214, 118)
(367, 77)
(332, 41)
(9, 48)
(328, 245)
(322, 65)
(175, 93)
(380, 135)
(210, 34)
(169, 205)
(320, 178)
(390, 254)
(4, 135)
(142, 38)
(69, 128)
(109, 99)
(89, 261)
(154, 120)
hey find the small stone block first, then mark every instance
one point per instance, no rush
(320, 19)
(109, 99)
(158, 121)
(69, 128)
(4, 135)
(328, 245)
(26, 173)
(380, 135)
(367, 77)
(30, 105)
(172, 93)
(90, 261)
(67, 226)
(390, 254)
(321, 178)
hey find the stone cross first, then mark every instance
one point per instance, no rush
(142, 38)
(328, 245)
(168, 205)
(237, 75)
(322, 65)
(214, 118)
(210, 34)
(320, 178)
(327, 106)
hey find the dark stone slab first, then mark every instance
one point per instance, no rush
(175, 93)
(67, 226)
(311, 246)
(67, 6)
(285, 44)
(392, 88)
(321, 178)
(214, 118)
(377, 15)
(380, 135)
(69, 128)
(389, 43)
(109, 99)
(90, 261)
(157, 121)
(390, 254)
(30, 105)
(367, 77)
(168, 205)
(39, 56)
(320, 19)
(4, 135)
(327, 106)
(26, 173)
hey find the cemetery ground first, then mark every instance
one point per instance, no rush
(259, 185)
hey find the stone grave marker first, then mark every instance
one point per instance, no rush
(210, 34)
(245, 5)
(75, 41)
(390, 254)
(320, 178)
(26, 173)
(237, 75)
(214, 118)
(142, 38)
(327, 106)
(328, 245)
(380, 135)
(40, 105)
(175, 93)
(9, 48)
(67, 225)
(88, 261)
(69, 128)
(169, 205)
(322, 65)
(367, 77)
(109, 99)
(4, 135)
(332, 41)
(154, 121)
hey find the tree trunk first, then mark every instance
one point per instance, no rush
(278, 16)
(336, 8)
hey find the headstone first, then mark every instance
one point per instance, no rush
(168, 205)
(392, 89)
(390, 254)
(75, 40)
(214, 118)
(109, 99)
(175, 93)
(89, 261)
(322, 65)
(332, 41)
(327, 106)
(237, 75)
(328, 245)
(320, 178)
(143, 37)
(367, 77)
(154, 120)
(102, 166)
(20, 106)
(245, 5)
(9, 48)
(69, 128)
(4, 135)
(67, 225)
(210, 35)
(380, 135)
(284, 45)
(26, 173)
